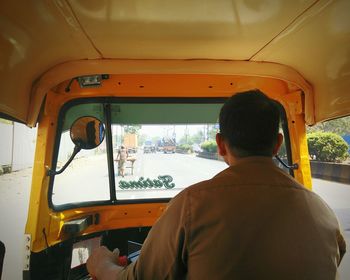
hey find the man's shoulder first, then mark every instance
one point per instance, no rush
(234, 177)
(220, 179)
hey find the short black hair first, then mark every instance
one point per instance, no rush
(249, 122)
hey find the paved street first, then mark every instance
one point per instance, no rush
(90, 178)
(337, 196)
(87, 179)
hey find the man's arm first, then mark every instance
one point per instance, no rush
(163, 254)
(165, 251)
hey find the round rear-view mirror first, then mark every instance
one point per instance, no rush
(87, 132)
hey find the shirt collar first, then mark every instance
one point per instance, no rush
(253, 159)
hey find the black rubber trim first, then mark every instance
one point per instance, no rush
(60, 121)
(10, 118)
(284, 124)
(147, 100)
(68, 206)
(109, 144)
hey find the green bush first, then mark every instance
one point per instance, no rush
(327, 146)
(209, 146)
(185, 147)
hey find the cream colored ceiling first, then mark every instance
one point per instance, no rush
(38, 36)
(182, 29)
(319, 48)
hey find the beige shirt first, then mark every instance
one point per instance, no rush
(251, 221)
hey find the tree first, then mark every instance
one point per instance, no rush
(187, 148)
(141, 139)
(132, 129)
(5, 121)
(339, 126)
(198, 137)
(186, 140)
(327, 146)
(212, 131)
(209, 146)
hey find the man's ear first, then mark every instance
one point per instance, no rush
(221, 145)
(278, 144)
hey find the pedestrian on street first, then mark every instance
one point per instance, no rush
(121, 159)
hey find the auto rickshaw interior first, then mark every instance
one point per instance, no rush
(102, 207)
(98, 70)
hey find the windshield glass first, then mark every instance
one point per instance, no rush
(158, 161)
(157, 150)
(86, 177)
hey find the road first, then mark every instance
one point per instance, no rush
(87, 179)
(338, 198)
(185, 169)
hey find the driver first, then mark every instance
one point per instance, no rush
(250, 221)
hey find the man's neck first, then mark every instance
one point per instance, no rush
(231, 159)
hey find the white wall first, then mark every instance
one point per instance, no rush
(22, 154)
(5, 143)
(18, 150)
(24, 146)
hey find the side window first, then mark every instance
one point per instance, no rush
(282, 154)
(86, 177)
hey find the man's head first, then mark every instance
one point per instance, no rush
(249, 125)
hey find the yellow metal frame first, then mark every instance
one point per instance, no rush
(45, 226)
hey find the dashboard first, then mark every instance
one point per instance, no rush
(67, 260)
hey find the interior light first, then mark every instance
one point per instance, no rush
(90, 81)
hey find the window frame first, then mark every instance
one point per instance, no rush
(106, 102)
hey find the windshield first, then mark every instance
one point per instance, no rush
(157, 150)
(163, 166)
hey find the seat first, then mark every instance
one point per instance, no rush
(2, 255)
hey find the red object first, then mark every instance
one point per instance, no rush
(123, 261)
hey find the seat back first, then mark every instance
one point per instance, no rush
(2, 255)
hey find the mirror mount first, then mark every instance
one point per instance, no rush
(51, 172)
(294, 166)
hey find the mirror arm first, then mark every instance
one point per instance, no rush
(291, 167)
(51, 172)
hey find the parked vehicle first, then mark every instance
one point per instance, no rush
(169, 145)
(149, 147)
(131, 142)
(197, 148)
